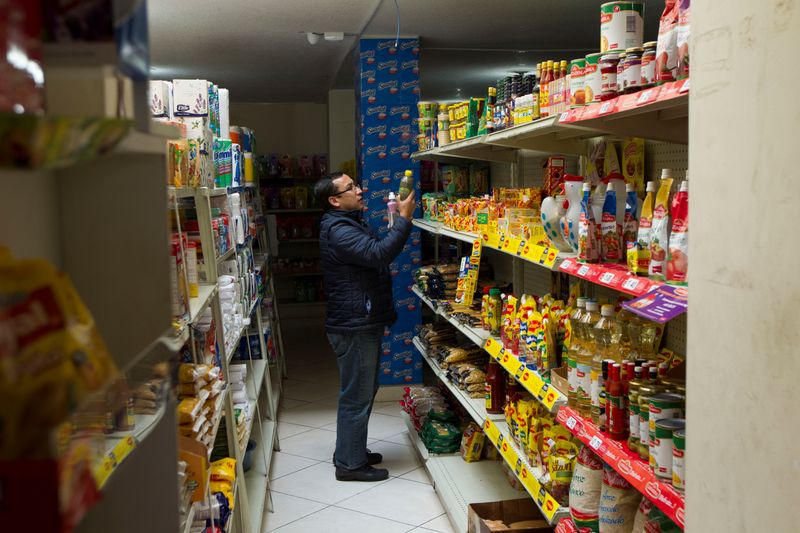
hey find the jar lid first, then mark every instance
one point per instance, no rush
(634, 50)
(611, 56)
(650, 44)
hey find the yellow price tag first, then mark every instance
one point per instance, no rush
(493, 347)
(511, 245)
(531, 382)
(534, 253)
(549, 256)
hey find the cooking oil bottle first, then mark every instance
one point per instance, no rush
(606, 333)
(642, 334)
(585, 356)
(574, 347)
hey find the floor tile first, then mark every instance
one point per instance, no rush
(286, 430)
(313, 414)
(309, 392)
(421, 530)
(398, 458)
(317, 444)
(284, 463)
(290, 403)
(381, 426)
(400, 438)
(398, 499)
(319, 483)
(288, 509)
(387, 408)
(441, 524)
(420, 475)
(336, 520)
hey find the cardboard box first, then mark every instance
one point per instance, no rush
(558, 378)
(509, 512)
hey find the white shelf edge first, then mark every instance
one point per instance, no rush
(205, 293)
(256, 479)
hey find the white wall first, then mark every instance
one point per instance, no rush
(341, 126)
(295, 128)
(743, 456)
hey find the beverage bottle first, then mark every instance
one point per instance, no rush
(495, 388)
(574, 348)
(406, 185)
(606, 333)
(391, 209)
(584, 359)
(495, 310)
(615, 414)
(624, 317)
(485, 309)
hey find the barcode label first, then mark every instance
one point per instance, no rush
(630, 24)
(607, 278)
(582, 271)
(605, 108)
(630, 284)
(595, 443)
(564, 116)
(571, 422)
(644, 97)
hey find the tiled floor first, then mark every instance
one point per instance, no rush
(305, 492)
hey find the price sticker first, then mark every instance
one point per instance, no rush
(684, 88)
(595, 443)
(566, 264)
(518, 467)
(607, 107)
(571, 422)
(564, 116)
(645, 97)
(607, 278)
(522, 247)
(630, 284)
(500, 439)
(520, 371)
(582, 271)
(540, 497)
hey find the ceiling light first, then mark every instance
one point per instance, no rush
(313, 37)
(334, 36)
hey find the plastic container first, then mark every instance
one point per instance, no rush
(648, 66)
(406, 185)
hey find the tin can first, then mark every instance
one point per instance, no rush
(663, 406)
(577, 92)
(648, 68)
(633, 70)
(678, 458)
(644, 432)
(621, 25)
(633, 422)
(662, 445)
(591, 79)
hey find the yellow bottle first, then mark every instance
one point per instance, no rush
(606, 334)
(584, 358)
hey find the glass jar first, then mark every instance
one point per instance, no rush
(648, 65)
(608, 76)
(633, 70)
(621, 73)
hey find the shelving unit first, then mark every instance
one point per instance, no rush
(655, 114)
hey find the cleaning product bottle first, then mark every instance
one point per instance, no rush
(587, 238)
(391, 209)
(659, 240)
(607, 333)
(584, 358)
(678, 263)
(574, 347)
(406, 185)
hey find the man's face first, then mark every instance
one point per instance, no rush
(348, 195)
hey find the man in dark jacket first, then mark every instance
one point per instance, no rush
(358, 286)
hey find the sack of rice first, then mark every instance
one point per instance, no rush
(619, 502)
(584, 491)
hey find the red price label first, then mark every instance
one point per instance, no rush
(630, 284)
(566, 264)
(564, 117)
(645, 97)
(571, 422)
(582, 271)
(607, 278)
(595, 443)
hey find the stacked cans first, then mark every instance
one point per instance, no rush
(388, 94)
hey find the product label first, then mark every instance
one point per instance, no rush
(633, 422)
(596, 380)
(678, 469)
(644, 430)
(663, 457)
(583, 380)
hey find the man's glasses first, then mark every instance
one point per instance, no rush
(346, 189)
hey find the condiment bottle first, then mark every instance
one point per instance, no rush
(495, 314)
(495, 390)
(615, 414)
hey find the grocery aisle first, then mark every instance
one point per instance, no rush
(306, 495)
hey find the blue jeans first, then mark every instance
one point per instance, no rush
(358, 356)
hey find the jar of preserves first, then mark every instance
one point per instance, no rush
(648, 65)
(608, 75)
(621, 72)
(633, 70)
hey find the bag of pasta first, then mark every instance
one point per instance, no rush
(472, 443)
(53, 356)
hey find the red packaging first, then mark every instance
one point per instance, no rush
(667, 47)
(21, 74)
(678, 260)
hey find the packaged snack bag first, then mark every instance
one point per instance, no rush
(667, 46)
(660, 237)
(678, 263)
(561, 465)
(472, 443)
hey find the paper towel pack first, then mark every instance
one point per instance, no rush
(190, 98)
(159, 98)
(224, 113)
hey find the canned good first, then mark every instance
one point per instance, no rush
(648, 68)
(633, 422)
(608, 75)
(664, 406)
(663, 446)
(427, 109)
(621, 25)
(577, 91)
(633, 70)
(644, 432)
(678, 457)
(591, 79)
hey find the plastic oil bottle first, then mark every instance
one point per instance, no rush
(406, 185)
(574, 348)
(585, 357)
(606, 332)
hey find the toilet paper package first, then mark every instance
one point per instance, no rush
(224, 113)
(190, 98)
(222, 162)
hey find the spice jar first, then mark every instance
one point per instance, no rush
(648, 66)
(633, 70)
(608, 76)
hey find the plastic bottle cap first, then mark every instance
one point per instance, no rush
(684, 186)
(409, 173)
(666, 173)
(586, 186)
(629, 187)
(391, 196)
(592, 306)
(582, 301)
(651, 186)
(486, 290)
(607, 310)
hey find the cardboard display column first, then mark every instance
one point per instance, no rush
(387, 92)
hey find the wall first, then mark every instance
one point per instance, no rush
(743, 456)
(296, 128)
(341, 126)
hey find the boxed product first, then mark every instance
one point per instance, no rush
(511, 516)
(190, 98)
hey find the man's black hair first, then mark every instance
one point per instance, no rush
(325, 188)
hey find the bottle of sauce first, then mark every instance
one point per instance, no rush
(495, 314)
(544, 105)
(615, 414)
(491, 101)
(537, 104)
(495, 393)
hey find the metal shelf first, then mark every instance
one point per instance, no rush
(256, 479)
(205, 293)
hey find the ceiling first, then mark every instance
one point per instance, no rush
(258, 49)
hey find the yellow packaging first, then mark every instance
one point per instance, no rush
(225, 488)
(472, 443)
(224, 470)
(53, 357)
(611, 161)
(187, 410)
(525, 411)
(633, 162)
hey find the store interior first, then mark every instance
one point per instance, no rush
(165, 359)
